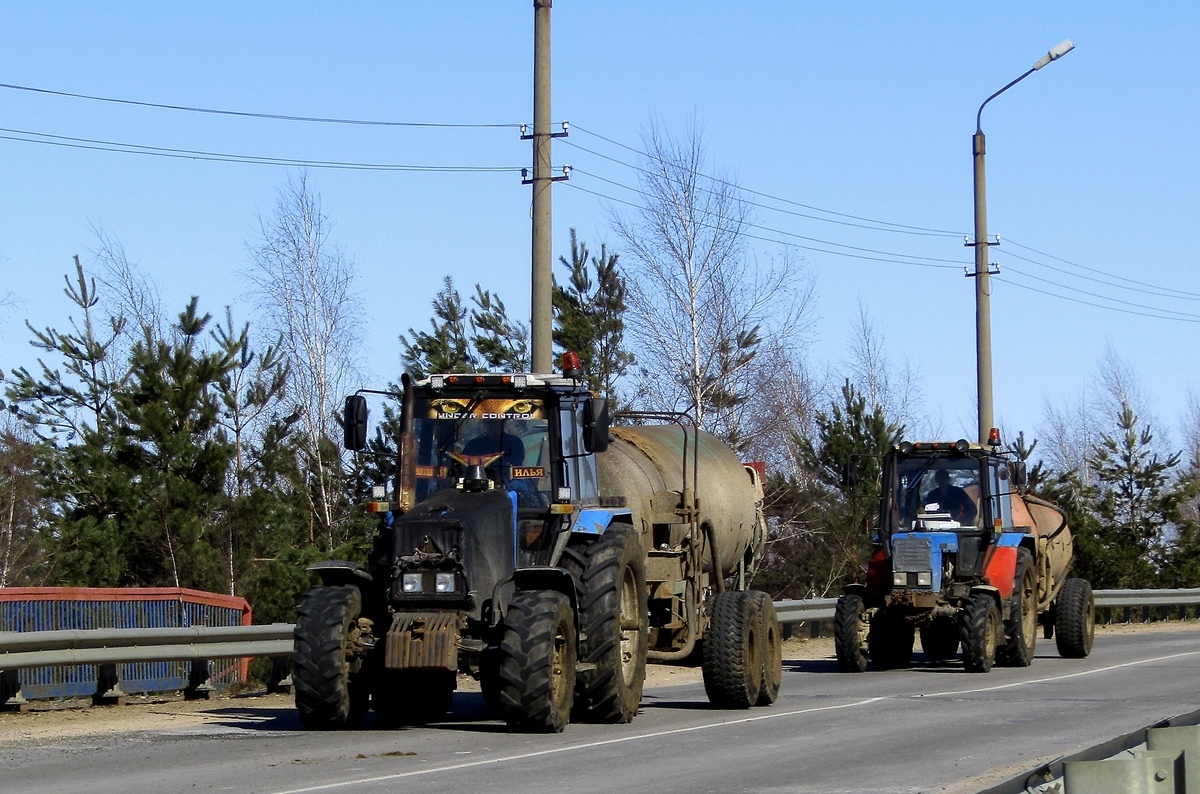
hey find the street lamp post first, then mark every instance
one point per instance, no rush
(983, 295)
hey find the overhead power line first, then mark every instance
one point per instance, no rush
(1019, 285)
(48, 139)
(1168, 291)
(825, 216)
(891, 226)
(885, 257)
(1158, 309)
(951, 263)
(247, 114)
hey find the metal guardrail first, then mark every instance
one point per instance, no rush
(1146, 598)
(116, 646)
(804, 610)
(818, 609)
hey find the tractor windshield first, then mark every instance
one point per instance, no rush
(938, 493)
(508, 437)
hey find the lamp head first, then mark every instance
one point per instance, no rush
(1055, 54)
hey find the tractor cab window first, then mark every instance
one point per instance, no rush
(508, 437)
(580, 465)
(940, 493)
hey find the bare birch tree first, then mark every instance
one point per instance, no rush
(305, 291)
(1073, 428)
(701, 305)
(128, 291)
(895, 389)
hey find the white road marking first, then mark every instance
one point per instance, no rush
(573, 747)
(707, 726)
(1062, 677)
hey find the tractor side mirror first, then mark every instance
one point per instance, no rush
(354, 423)
(595, 425)
(1020, 475)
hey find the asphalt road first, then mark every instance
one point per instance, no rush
(933, 728)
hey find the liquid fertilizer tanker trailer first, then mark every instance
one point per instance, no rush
(528, 544)
(968, 558)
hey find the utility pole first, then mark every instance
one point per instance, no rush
(983, 288)
(983, 291)
(541, 320)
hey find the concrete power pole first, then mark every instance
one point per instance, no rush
(541, 321)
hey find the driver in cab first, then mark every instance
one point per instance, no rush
(948, 498)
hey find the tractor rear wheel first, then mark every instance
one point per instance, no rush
(733, 651)
(1020, 627)
(537, 662)
(772, 656)
(614, 623)
(327, 659)
(851, 627)
(1075, 619)
(979, 631)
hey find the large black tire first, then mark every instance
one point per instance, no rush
(614, 626)
(330, 690)
(979, 632)
(733, 651)
(1021, 623)
(939, 639)
(537, 662)
(772, 656)
(890, 642)
(412, 697)
(1075, 619)
(851, 627)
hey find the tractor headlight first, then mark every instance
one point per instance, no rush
(445, 583)
(924, 579)
(900, 578)
(411, 583)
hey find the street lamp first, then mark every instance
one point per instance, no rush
(983, 295)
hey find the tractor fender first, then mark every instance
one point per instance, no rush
(336, 573)
(855, 588)
(543, 578)
(1000, 564)
(994, 592)
(596, 520)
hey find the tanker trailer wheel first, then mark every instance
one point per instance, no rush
(1020, 627)
(772, 656)
(537, 662)
(851, 627)
(614, 623)
(1075, 619)
(733, 651)
(890, 642)
(412, 697)
(327, 661)
(979, 630)
(939, 639)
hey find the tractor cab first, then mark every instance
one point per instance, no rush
(944, 505)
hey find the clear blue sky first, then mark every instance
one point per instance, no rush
(865, 109)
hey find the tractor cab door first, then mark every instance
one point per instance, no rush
(579, 465)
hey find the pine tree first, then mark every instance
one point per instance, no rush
(174, 455)
(820, 517)
(1134, 503)
(589, 317)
